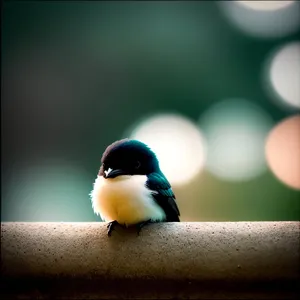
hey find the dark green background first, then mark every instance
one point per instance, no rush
(76, 75)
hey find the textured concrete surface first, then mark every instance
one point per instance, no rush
(242, 260)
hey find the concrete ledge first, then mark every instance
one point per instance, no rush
(242, 260)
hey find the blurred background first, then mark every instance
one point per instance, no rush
(212, 87)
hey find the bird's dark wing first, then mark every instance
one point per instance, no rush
(164, 196)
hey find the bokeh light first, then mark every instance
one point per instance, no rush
(283, 74)
(235, 130)
(264, 19)
(178, 144)
(283, 151)
(266, 5)
(47, 191)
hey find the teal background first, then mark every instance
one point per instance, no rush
(76, 75)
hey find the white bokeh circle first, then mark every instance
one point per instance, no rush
(177, 142)
(265, 5)
(263, 19)
(284, 73)
(235, 131)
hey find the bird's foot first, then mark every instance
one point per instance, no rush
(111, 226)
(140, 225)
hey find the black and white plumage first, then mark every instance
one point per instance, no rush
(130, 188)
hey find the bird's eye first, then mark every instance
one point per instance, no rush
(137, 164)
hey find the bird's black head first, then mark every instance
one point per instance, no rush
(128, 157)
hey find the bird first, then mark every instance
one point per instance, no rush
(130, 188)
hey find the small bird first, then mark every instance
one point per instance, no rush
(130, 188)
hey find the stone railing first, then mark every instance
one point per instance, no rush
(242, 260)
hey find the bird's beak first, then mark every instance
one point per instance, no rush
(110, 173)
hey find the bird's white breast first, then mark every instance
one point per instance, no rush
(125, 199)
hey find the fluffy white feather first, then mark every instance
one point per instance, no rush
(125, 199)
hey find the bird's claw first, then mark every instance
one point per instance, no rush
(110, 227)
(140, 225)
